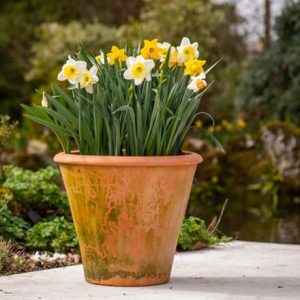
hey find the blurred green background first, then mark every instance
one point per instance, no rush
(255, 101)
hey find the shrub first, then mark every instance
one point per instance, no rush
(37, 190)
(56, 235)
(271, 88)
(12, 227)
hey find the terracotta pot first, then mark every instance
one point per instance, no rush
(127, 213)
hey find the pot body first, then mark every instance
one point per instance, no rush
(127, 213)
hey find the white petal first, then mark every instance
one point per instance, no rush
(196, 54)
(89, 89)
(74, 81)
(185, 41)
(192, 85)
(140, 58)
(70, 61)
(149, 63)
(195, 46)
(61, 76)
(201, 76)
(130, 60)
(138, 81)
(127, 75)
(93, 70)
(148, 76)
(95, 78)
(81, 65)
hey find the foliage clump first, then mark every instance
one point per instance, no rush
(194, 234)
(55, 235)
(38, 189)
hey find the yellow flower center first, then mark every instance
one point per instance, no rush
(138, 70)
(200, 84)
(71, 72)
(86, 80)
(189, 52)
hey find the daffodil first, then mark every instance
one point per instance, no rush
(197, 83)
(194, 67)
(241, 123)
(138, 69)
(187, 51)
(198, 124)
(44, 102)
(116, 54)
(150, 49)
(72, 70)
(88, 78)
(100, 58)
(163, 50)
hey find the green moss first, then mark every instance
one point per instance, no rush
(114, 214)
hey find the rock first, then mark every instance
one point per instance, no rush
(282, 144)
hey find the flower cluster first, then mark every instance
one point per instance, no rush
(76, 72)
(141, 67)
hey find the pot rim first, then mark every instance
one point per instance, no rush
(187, 158)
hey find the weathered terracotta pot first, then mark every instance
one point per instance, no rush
(127, 213)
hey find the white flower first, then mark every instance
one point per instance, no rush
(44, 102)
(72, 70)
(138, 69)
(198, 83)
(88, 78)
(163, 50)
(100, 58)
(187, 51)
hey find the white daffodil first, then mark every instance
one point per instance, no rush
(72, 70)
(138, 69)
(198, 83)
(163, 50)
(100, 58)
(44, 102)
(88, 78)
(187, 51)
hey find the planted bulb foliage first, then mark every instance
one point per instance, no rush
(139, 101)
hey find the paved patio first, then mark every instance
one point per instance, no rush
(238, 270)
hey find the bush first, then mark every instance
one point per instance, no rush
(271, 88)
(36, 190)
(12, 227)
(56, 235)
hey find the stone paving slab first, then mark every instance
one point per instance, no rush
(237, 270)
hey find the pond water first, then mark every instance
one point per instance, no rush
(244, 222)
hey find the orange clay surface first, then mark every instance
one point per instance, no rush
(127, 213)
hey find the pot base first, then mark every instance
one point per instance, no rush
(126, 282)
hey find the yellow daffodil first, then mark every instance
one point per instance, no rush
(240, 123)
(88, 78)
(150, 49)
(44, 102)
(198, 124)
(116, 54)
(226, 125)
(187, 51)
(138, 69)
(198, 83)
(72, 70)
(194, 67)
